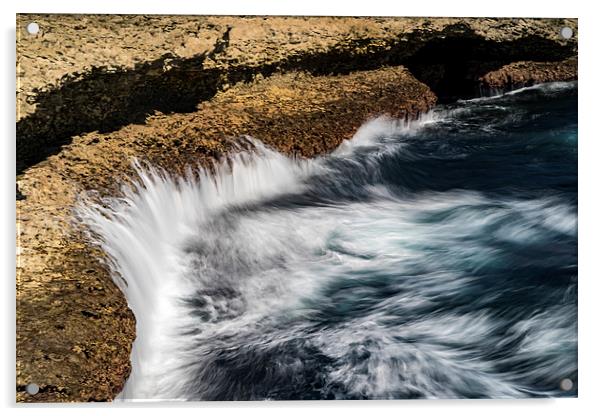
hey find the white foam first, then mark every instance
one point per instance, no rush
(545, 87)
(382, 129)
(143, 232)
(175, 238)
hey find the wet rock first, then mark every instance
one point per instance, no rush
(97, 91)
(527, 73)
(59, 304)
(121, 69)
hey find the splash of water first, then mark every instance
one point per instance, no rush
(347, 276)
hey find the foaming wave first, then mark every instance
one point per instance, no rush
(544, 88)
(263, 279)
(142, 233)
(250, 279)
(385, 129)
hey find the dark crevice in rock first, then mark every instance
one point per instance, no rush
(19, 195)
(452, 66)
(449, 62)
(221, 44)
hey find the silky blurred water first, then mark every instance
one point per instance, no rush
(429, 259)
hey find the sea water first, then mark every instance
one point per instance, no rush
(435, 258)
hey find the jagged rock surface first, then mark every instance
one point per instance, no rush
(524, 74)
(74, 328)
(88, 73)
(96, 91)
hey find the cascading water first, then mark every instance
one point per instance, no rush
(430, 259)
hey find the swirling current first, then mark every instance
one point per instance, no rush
(435, 258)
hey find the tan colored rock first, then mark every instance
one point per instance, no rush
(69, 44)
(527, 73)
(74, 329)
(83, 73)
(96, 91)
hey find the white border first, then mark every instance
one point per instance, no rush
(507, 8)
(590, 151)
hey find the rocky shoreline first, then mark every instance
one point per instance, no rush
(177, 91)
(524, 74)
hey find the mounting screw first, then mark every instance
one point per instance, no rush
(33, 28)
(566, 32)
(566, 384)
(32, 388)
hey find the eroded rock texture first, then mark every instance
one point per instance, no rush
(87, 73)
(527, 73)
(96, 91)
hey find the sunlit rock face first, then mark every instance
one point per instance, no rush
(414, 261)
(179, 93)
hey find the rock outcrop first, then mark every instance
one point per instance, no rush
(527, 73)
(99, 73)
(96, 91)
(74, 328)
